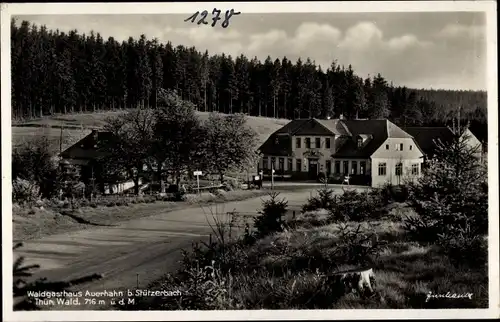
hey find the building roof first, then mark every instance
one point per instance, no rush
(88, 148)
(427, 136)
(377, 131)
(335, 126)
(276, 144)
(279, 143)
(374, 132)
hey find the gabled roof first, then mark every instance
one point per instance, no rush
(88, 147)
(335, 126)
(426, 137)
(374, 132)
(379, 130)
(277, 144)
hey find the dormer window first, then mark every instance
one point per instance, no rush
(360, 142)
(276, 141)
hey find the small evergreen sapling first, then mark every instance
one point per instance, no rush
(271, 216)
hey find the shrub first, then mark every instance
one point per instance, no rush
(84, 202)
(463, 247)
(34, 162)
(233, 184)
(354, 206)
(451, 195)
(270, 218)
(354, 246)
(310, 219)
(24, 191)
(324, 200)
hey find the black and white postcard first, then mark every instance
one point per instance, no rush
(230, 160)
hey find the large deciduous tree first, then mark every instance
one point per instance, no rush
(229, 143)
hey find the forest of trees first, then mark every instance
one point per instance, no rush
(57, 72)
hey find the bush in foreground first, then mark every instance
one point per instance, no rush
(270, 218)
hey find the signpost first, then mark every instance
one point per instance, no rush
(198, 174)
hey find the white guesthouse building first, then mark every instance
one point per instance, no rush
(371, 152)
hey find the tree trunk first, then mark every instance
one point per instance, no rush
(285, 106)
(160, 179)
(136, 185)
(221, 177)
(205, 97)
(274, 105)
(177, 178)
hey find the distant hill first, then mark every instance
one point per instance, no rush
(77, 125)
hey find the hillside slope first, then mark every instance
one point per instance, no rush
(75, 126)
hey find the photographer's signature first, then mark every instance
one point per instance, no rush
(448, 295)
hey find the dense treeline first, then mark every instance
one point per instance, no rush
(57, 72)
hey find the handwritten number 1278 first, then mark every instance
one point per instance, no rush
(215, 17)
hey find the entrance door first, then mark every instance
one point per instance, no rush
(313, 169)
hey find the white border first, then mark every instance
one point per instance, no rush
(489, 7)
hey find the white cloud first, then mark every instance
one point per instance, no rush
(362, 36)
(459, 31)
(406, 41)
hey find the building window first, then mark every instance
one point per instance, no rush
(281, 164)
(401, 147)
(382, 169)
(273, 163)
(298, 165)
(415, 169)
(354, 169)
(328, 166)
(289, 164)
(265, 163)
(327, 143)
(298, 141)
(362, 167)
(318, 143)
(411, 147)
(346, 167)
(337, 167)
(308, 143)
(399, 169)
(387, 146)
(360, 142)
(396, 147)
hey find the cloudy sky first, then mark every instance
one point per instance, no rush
(419, 50)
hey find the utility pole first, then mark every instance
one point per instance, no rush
(60, 139)
(272, 178)
(92, 180)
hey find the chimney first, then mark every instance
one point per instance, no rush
(95, 136)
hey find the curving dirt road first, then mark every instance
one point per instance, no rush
(134, 252)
